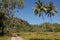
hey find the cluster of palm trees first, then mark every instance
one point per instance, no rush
(48, 9)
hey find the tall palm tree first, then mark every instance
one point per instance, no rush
(38, 9)
(50, 11)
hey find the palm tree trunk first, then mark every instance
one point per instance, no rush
(52, 28)
(44, 27)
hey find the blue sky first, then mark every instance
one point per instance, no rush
(27, 13)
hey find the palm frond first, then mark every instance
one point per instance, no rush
(38, 3)
(36, 12)
(40, 13)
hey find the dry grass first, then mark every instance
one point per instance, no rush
(41, 35)
(35, 35)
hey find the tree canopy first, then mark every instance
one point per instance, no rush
(6, 10)
(7, 6)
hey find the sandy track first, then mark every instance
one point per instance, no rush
(16, 38)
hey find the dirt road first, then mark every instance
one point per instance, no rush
(16, 38)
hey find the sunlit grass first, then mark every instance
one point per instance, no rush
(36, 35)
(42, 35)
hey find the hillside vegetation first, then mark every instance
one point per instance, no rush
(19, 25)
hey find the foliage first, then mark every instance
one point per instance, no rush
(3, 19)
(39, 9)
(49, 9)
(19, 25)
(7, 7)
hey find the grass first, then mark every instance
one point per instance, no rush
(41, 35)
(36, 35)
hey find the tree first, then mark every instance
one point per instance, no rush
(3, 18)
(38, 9)
(50, 11)
(7, 6)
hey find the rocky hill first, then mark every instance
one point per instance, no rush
(17, 25)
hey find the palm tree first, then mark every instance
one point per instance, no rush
(50, 11)
(38, 10)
